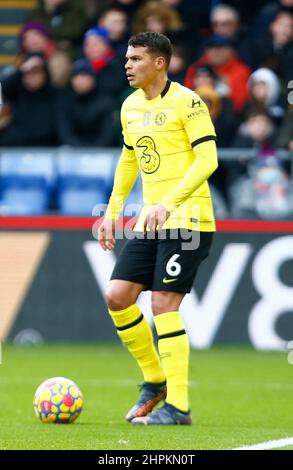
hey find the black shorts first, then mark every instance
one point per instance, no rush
(163, 263)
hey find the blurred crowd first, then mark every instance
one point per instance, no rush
(68, 82)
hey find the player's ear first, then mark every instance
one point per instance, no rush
(160, 62)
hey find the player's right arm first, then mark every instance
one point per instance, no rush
(125, 177)
(106, 234)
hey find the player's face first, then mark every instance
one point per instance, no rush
(141, 67)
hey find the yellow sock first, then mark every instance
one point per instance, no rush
(174, 354)
(136, 334)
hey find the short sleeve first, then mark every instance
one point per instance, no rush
(196, 120)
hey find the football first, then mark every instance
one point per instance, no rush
(58, 400)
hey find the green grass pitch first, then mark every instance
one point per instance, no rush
(238, 397)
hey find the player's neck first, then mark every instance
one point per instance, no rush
(155, 88)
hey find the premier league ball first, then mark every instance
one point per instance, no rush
(58, 400)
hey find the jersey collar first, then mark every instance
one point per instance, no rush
(166, 89)
(158, 98)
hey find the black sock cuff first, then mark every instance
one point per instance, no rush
(130, 325)
(172, 334)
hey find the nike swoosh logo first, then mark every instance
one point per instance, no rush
(166, 281)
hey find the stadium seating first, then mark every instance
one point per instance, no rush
(84, 180)
(78, 181)
(26, 182)
(23, 195)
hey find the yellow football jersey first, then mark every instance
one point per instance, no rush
(171, 140)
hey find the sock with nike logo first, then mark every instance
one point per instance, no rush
(174, 354)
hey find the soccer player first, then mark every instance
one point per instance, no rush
(169, 138)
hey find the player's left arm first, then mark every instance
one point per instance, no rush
(198, 125)
(204, 165)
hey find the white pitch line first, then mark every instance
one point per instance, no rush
(287, 441)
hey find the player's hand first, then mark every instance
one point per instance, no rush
(106, 234)
(156, 218)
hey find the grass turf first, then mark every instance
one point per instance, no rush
(238, 397)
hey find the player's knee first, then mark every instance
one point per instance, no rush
(161, 303)
(116, 301)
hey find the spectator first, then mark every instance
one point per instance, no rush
(275, 48)
(35, 37)
(32, 101)
(213, 91)
(212, 100)
(205, 76)
(221, 57)
(194, 14)
(222, 114)
(226, 22)
(156, 17)
(108, 67)
(195, 17)
(262, 21)
(65, 20)
(264, 89)
(128, 6)
(262, 187)
(86, 115)
(265, 191)
(114, 20)
(223, 117)
(257, 130)
(272, 189)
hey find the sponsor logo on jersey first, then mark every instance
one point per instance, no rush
(200, 112)
(194, 103)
